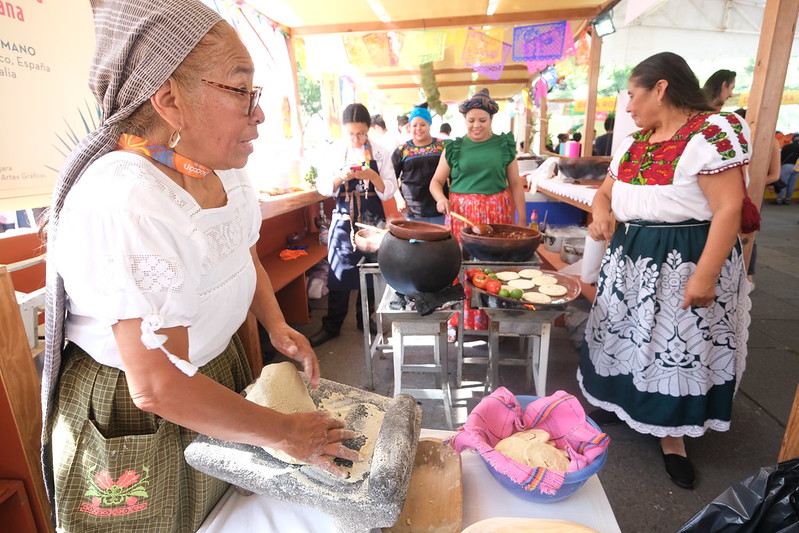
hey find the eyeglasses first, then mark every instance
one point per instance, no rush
(355, 135)
(254, 95)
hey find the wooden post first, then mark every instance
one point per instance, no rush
(543, 126)
(293, 61)
(590, 104)
(773, 53)
(20, 407)
(790, 442)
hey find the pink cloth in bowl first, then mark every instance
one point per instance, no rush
(499, 415)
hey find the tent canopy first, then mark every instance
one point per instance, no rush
(322, 24)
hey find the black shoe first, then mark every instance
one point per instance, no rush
(322, 336)
(604, 418)
(680, 470)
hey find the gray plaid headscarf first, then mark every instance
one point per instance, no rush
(139, 44)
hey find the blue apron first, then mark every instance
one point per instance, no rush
(354, 203)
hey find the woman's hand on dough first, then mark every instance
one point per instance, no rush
(700, 291)
(294, 345)
(315, 438)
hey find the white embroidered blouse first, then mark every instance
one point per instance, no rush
(131, 243)
(659, 181)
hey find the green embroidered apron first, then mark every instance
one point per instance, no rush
(118, 468)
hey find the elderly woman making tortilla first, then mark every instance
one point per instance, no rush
(152, 268)
(665, 343)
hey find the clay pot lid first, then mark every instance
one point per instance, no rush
(412, 229)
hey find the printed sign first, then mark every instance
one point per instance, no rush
(46, 108)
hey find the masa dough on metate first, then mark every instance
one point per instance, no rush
(281, 388)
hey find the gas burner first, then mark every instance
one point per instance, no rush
(425, 303)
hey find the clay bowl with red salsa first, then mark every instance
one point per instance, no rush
(506, 243)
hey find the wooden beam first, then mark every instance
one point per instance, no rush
(459, 83)
(773, 54)
(531, 17)
(543, 124)
(297, 112)
(437, 71)
(590, 104)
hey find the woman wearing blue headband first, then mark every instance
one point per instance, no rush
(415, 162)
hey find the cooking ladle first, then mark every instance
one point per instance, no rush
(480, 228)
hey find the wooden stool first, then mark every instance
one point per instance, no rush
(405, 323)
(535, 327)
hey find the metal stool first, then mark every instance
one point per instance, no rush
(404, 323)
(535, 327)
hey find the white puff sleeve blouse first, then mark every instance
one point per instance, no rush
(131, 243)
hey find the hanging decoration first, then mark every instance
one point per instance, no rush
(541, 89)
(483, 47)
(422, 47)
(582, 48)
(430, 89)
(535, 66)
(381, 47)
(299, 52)
(565, 67)
(357, 53)
(494, 71)
(539, 41)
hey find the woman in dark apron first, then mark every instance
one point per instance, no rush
(360, 177)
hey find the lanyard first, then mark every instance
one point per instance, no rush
(163, 155)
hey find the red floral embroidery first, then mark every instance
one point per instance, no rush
(724, 145)
(111, 497)
(661, 174)
(668, 151)
(711, 131)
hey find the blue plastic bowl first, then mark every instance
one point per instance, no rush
(572, 481)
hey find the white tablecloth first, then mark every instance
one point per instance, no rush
(483, 497)
(573, 191)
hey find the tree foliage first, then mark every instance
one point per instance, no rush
(310, 95)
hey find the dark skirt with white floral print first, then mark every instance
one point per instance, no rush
(664, 370)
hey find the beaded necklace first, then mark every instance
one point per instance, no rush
(162, 154)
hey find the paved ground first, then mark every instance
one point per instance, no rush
(642, 497)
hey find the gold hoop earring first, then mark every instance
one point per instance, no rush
(174, 139)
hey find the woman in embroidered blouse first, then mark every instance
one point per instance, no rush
(415, 161)
(665, 343)
(155, 248)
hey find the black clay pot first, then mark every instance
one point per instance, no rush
(413, 266)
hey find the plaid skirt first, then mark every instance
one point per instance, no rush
(118, 468)
(664, 370)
